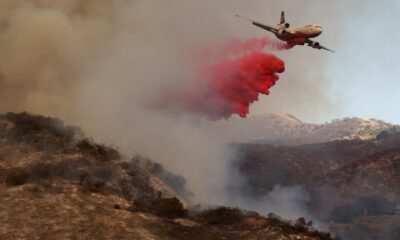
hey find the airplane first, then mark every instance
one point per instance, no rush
(295, 35)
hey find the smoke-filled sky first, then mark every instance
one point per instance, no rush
(359, 80)
(102, 64)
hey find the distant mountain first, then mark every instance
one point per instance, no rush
(353, 167)
(285, 129)
(353, 184)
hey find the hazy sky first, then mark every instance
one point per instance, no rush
(363, 75)
(365, 70)
(360, 79)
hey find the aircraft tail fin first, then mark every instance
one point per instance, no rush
(282, 17)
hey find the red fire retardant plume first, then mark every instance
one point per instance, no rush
(239, 72)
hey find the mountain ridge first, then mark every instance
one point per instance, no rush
(352, 184)
(286, 129)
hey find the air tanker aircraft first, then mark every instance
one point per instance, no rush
(295, 35)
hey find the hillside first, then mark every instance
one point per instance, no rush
(285, 129)
(353, 182)
(58, 184)
(306, 163)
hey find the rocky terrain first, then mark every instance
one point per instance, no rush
(58, 184)
(285, 129)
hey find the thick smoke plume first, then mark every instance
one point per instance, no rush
(231, 78)
(99, 64)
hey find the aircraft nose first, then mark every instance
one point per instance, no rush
(318, 29)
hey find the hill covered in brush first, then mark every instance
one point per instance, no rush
(57, 183)
(352, 184)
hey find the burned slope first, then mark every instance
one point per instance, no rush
(265, 166)
(56, 183)
(376, 174)
(353, 183)
(330, 163)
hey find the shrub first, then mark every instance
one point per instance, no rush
(117, 206)
(162, 207)
(137, 186)
(222, 216)
(98, 151)
(300, 224)
(90, 184)
(97, 186)
(66, 169)
(104, 173)
(176, 182)
(17, 177)
(40, 170)
(42, 133)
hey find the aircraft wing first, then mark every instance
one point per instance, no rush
(260, 25)
(310, 43)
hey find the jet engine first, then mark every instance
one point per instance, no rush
(283, 25)
(314, 45)
(283, 32)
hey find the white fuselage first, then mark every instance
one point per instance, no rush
(293, 35)
(298, 35)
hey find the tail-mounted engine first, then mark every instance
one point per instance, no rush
(282, 32)
(283, 25)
